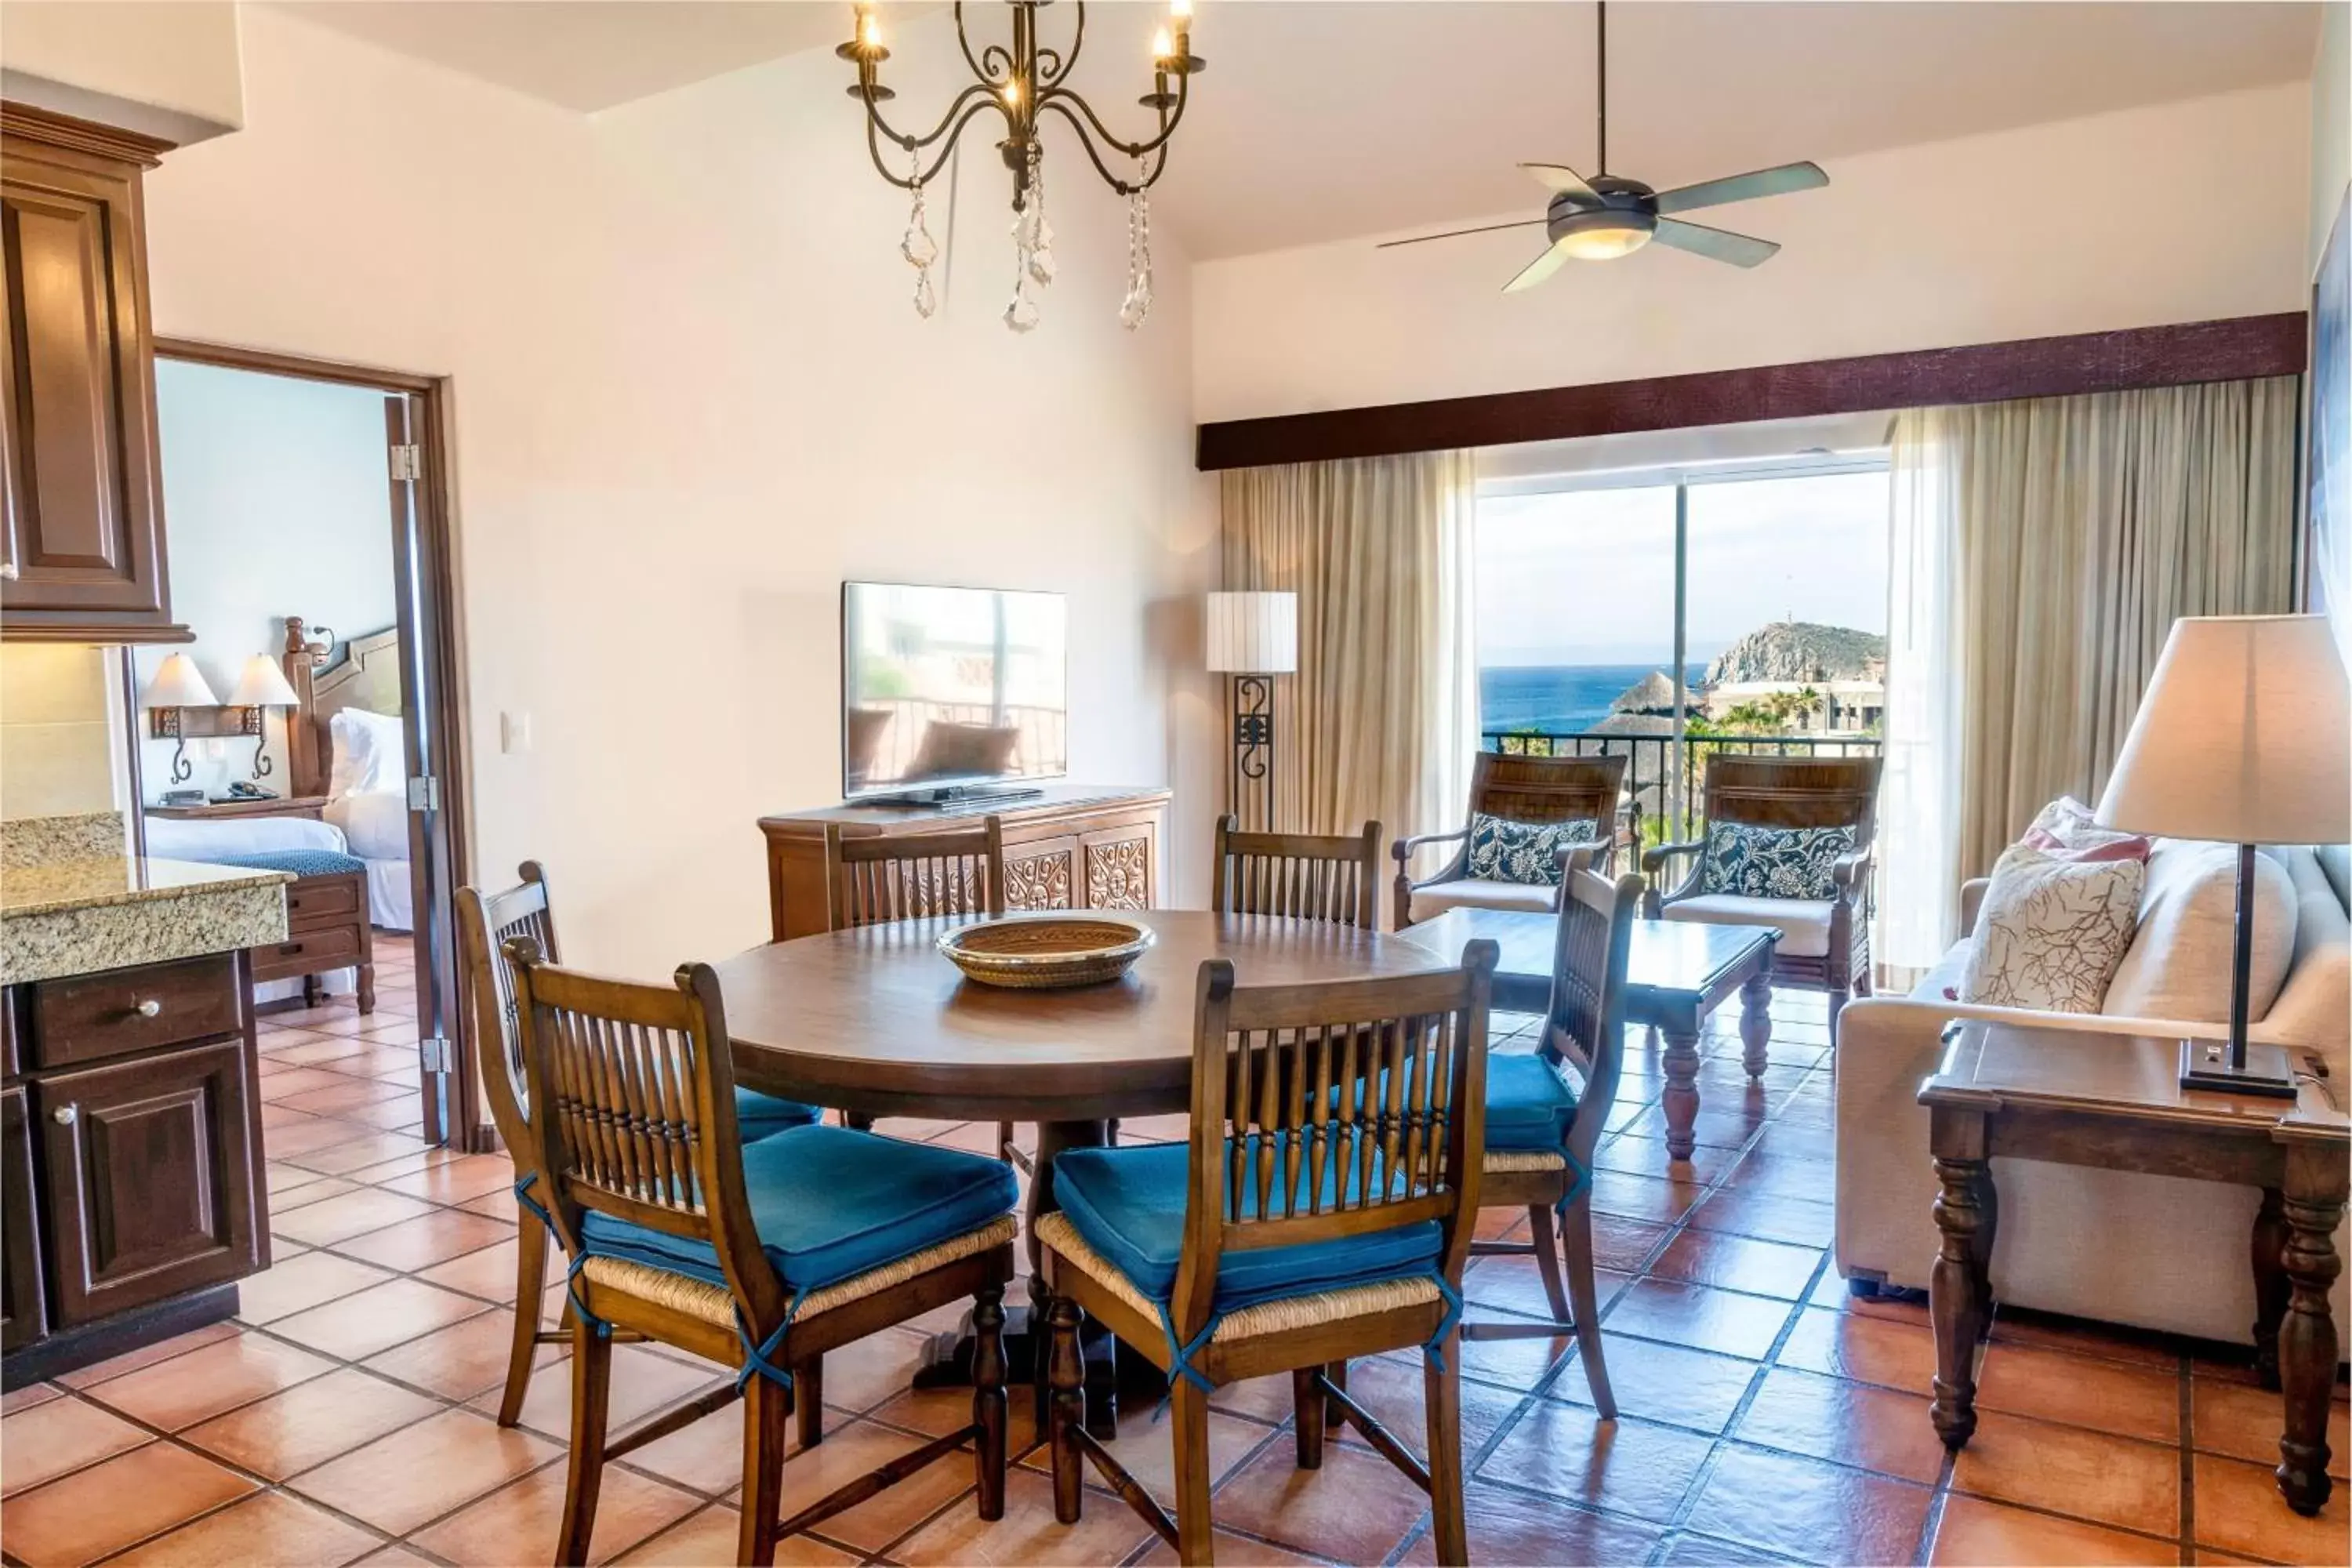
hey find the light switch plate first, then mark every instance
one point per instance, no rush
(514, 733)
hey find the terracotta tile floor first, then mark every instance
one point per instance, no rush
(1767, 1416)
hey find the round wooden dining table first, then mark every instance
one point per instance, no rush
(876, 1021)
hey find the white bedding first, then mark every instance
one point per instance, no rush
(374, 827)
(374, 823)
(171, 838)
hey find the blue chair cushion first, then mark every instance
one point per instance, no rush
(300, 862)
(829, 1203)
(1129, 1205)
(759, 1116)
(1528, 1103)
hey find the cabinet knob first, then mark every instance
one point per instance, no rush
(7, 571)
(149, 1008)
(65, 1115)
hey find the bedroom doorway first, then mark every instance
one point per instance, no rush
(310, 516)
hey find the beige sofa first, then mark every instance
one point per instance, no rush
(2157, 1252)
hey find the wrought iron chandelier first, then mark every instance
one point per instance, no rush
(1023, 81)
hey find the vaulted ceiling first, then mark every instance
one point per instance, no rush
(1319, 119)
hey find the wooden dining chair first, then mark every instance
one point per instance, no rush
(1321, 1211)
(872, 878)
(760, 1257)
(486, 923)
(1545, 1110)
(1305, 876)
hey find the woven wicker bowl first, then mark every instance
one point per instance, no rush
(1043, 952)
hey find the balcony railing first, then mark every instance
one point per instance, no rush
(1652, 771)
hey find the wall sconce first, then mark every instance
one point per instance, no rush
(178, 685)
(261, 686)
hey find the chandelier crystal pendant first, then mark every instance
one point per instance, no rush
(1023, 81)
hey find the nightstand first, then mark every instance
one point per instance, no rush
(309, 805)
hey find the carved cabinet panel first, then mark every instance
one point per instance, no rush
(81, 543)
(151, 1176)
(1119, 865)
(22, 1318)
(1041, 876)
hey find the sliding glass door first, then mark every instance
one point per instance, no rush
(1667, 614)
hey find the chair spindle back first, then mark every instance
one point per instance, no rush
(870, 878)
(1327, 1110)
(486, 923)
(633, 1102)
(1585, 1023)
(1305, 876)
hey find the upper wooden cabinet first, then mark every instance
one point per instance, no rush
(81, 532)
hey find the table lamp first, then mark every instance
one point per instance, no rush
(261, 685)
(1252, 637)
(2242, 736)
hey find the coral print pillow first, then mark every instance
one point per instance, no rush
(1774, 862)
(2053, 931)
(1502, 850)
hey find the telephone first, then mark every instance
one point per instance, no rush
(243, 790)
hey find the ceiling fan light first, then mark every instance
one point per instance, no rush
(1603, 235)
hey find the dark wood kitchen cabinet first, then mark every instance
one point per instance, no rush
(135, 1196)
(81, 508)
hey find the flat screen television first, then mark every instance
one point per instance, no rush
(950, 691)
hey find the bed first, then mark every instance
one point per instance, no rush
(346, 742)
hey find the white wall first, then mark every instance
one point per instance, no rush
(167, 67)
(689, 397)
(2331, 123)
(278, 505)
(2179, 212)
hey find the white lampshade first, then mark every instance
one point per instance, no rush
(178, 683)
(262, 684)
(2245, 735)
(1254, 634)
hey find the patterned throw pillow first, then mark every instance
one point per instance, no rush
(1502, 850)
(1773, 862)
(2052, 931)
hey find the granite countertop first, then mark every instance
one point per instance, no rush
(72, 903)
(88, 883)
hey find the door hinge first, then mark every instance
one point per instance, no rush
(425, 793)
(433, 1054)
(407, 462)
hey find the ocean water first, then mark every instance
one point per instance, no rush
(1561, 698)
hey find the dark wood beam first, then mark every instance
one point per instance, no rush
(2230, 349)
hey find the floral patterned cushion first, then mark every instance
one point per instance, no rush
(2052, 931)
(1502, 850)
(1773, 862)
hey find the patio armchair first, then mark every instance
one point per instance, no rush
(1824, 941)
(1540, 790)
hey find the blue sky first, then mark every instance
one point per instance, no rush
(1587, 576)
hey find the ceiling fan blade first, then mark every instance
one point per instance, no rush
(1715, 244)
(1535, 271)
(1777, 182)
(1560, 178)
(1458, 233)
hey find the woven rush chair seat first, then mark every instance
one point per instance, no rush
(1273, 1315)
(1128, 1206)
(712, 1304)
(829, 1205)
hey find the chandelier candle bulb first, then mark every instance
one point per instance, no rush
(1162, 48)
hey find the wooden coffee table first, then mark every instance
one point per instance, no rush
(1676, 973)
(2114, 1102)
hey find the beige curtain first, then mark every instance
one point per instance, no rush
(2077, 530)
(1382, 717)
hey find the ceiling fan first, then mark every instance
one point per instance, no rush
(1609, 216)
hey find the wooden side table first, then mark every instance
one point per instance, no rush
(2114, 1102)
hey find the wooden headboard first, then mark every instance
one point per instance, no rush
(367, 677)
